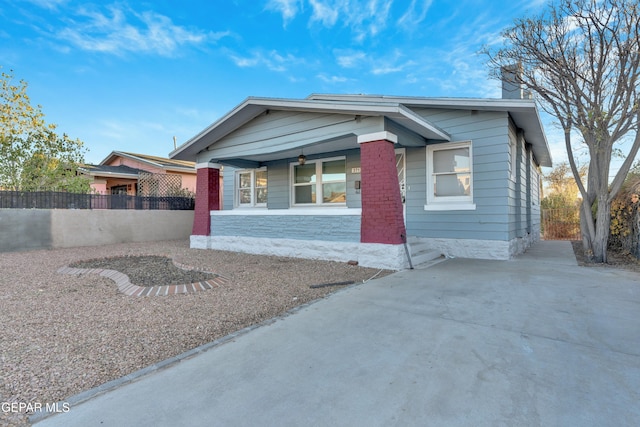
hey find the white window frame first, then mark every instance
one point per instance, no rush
(318, 183)
(448, 202)
(253, 187)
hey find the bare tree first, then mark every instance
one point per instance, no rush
(581, 59)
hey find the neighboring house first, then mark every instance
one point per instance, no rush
(119, 172)
(354, 177)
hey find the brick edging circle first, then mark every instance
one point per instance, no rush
(126, 287)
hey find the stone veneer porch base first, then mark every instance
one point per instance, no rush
(476, 249)
(375, 255)
(126, 287)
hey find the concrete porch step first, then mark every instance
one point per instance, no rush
(422, 256)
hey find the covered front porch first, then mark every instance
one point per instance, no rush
(362, 223)
(307, 179)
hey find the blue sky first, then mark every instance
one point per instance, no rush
(131, 75)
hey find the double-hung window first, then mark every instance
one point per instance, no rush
(319, 182)
(450, 177)
(251, 187)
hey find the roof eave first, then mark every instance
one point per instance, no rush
(253, 107)
(181, 169)
(109, 174)
(413, 101)
(524, 112)
(429, 130)
(188, 150)
(529, 120)
(108, 158)
(132, 156)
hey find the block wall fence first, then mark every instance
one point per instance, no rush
(31, 229)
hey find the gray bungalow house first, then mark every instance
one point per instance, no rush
(373, 179)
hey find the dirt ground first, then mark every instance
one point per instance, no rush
(616, 259)
(63, 334)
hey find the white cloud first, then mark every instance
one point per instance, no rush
(272, 60)
(120, 30)
(244, 62)
(467, 75)
(415, 14)
(534, 4)
(387, 69)
(287, 8)
(332, 79)
(327, 14)
(48, 4)
(368, 19)
(295, 79)
(350, 59)
(364, 17)
(392, 62)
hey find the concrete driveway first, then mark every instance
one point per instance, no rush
(532, 341)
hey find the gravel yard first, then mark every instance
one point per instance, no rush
(64, 334)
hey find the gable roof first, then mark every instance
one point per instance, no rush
(111, 171)
(159, 162)
(399, 109)
(524, 113)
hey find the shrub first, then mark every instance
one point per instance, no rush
(625, 217)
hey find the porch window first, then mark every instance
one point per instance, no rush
(251, 187)
(450, 177)
(320, 182)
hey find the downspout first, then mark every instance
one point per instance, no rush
(406, 250)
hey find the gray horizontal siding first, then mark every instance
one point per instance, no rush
(535, 204)
(338, 228)
(408, 138)
(523, 194)
(278, 184)
(284, 130)
(477, 234)
(416, 176)
(490, 146)
(228, 188)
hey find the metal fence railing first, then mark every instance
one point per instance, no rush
(63, 200)
(561, 224)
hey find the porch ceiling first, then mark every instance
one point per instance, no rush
(308, 148)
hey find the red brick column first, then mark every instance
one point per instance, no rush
(207, 197)
(382, 217)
